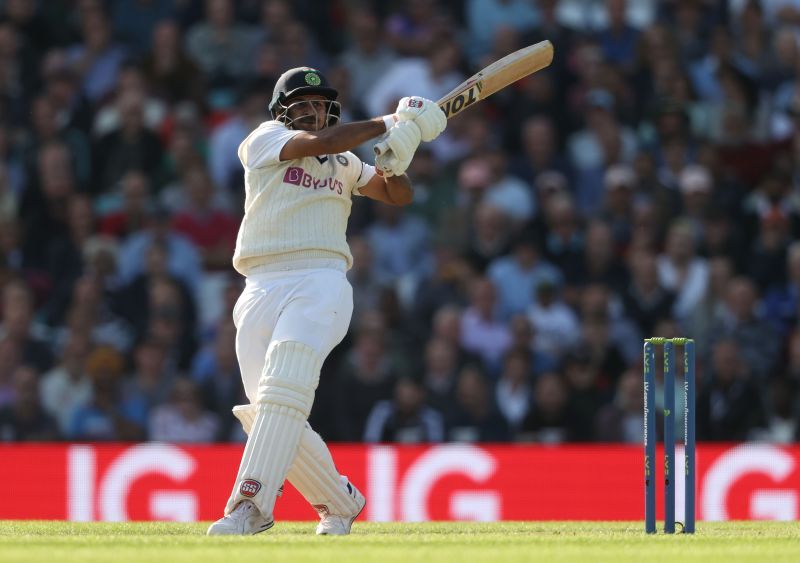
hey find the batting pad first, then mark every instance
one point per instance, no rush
(313, 472)
(285, 396)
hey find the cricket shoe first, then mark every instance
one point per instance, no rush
(244, 520)
(340, 524)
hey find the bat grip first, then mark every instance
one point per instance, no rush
(380, 148)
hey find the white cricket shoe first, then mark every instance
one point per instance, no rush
(340, 524)
(244, 520)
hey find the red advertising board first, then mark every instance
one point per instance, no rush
(447, 482)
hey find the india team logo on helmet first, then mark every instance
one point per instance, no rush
(312, 79)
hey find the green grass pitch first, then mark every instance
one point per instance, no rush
(295, 542)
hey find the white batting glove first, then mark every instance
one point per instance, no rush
(396, 148)
(387, 164)
(426, 113)
(403, 139)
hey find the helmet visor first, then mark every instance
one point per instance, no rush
(308, 113)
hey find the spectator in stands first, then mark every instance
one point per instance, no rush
(404, 419)
(619, 40)
(216, 372)
(19, 327)
(485, 18)
(539, 150)
(548, 420)
(782, 303)
(44, 204)
(587, 393)
(149, 385)
(183, 419)
(564, 243)
(513, 390)
(275, 15)
(131, 146)
(476, 417)
(518, 274)
(439, 376)
(133, 21)
(600, 263)
(130, 214)
(754, 336)
(98, 58)
(603, 141)
(646, 301)
(782, 416)
(767, 257)
(729, 405)
(298, 48)
(363, 278)
(104, 417)
(365, 378)
(367, 55)
(212, 230)
(416, 28)
(63, 90)
(712, 311)
(26, 420)
(67, 386)
(223, 143)
(399, 243)
(171, 74)
(12, 177)
(432, 76)
(46, 129)
(482, 331)
(90, 312)
(504, 190)
(490, 237)
(10, 359)
(697, 189)
(219, 45)
(681, 270)
(131, 83)
(553, 321)
(176, 254)
(65, 256)
(523, 338)
(171, 321)
(606, 336)
(621, 420)
(620, 186)
(153, 289)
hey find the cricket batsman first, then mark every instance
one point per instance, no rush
(296, 305)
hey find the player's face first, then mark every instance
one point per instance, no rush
(308, 113)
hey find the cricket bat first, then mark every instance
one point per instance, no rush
(489, 80)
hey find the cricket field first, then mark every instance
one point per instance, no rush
(457, 542)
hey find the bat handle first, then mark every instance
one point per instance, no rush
(380, 148)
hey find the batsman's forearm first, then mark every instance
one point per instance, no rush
(347, 136)
(399, 190)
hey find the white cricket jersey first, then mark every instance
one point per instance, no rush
(295, 211)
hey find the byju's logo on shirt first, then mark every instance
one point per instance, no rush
(298, 177)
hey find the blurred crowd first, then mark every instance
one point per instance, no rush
(646, 184)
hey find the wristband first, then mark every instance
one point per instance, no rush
(389, 120)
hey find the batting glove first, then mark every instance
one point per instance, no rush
(428, 116)
(403, 139)
(388, 164)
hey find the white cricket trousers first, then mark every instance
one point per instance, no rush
(295, 310)
(310, 306)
